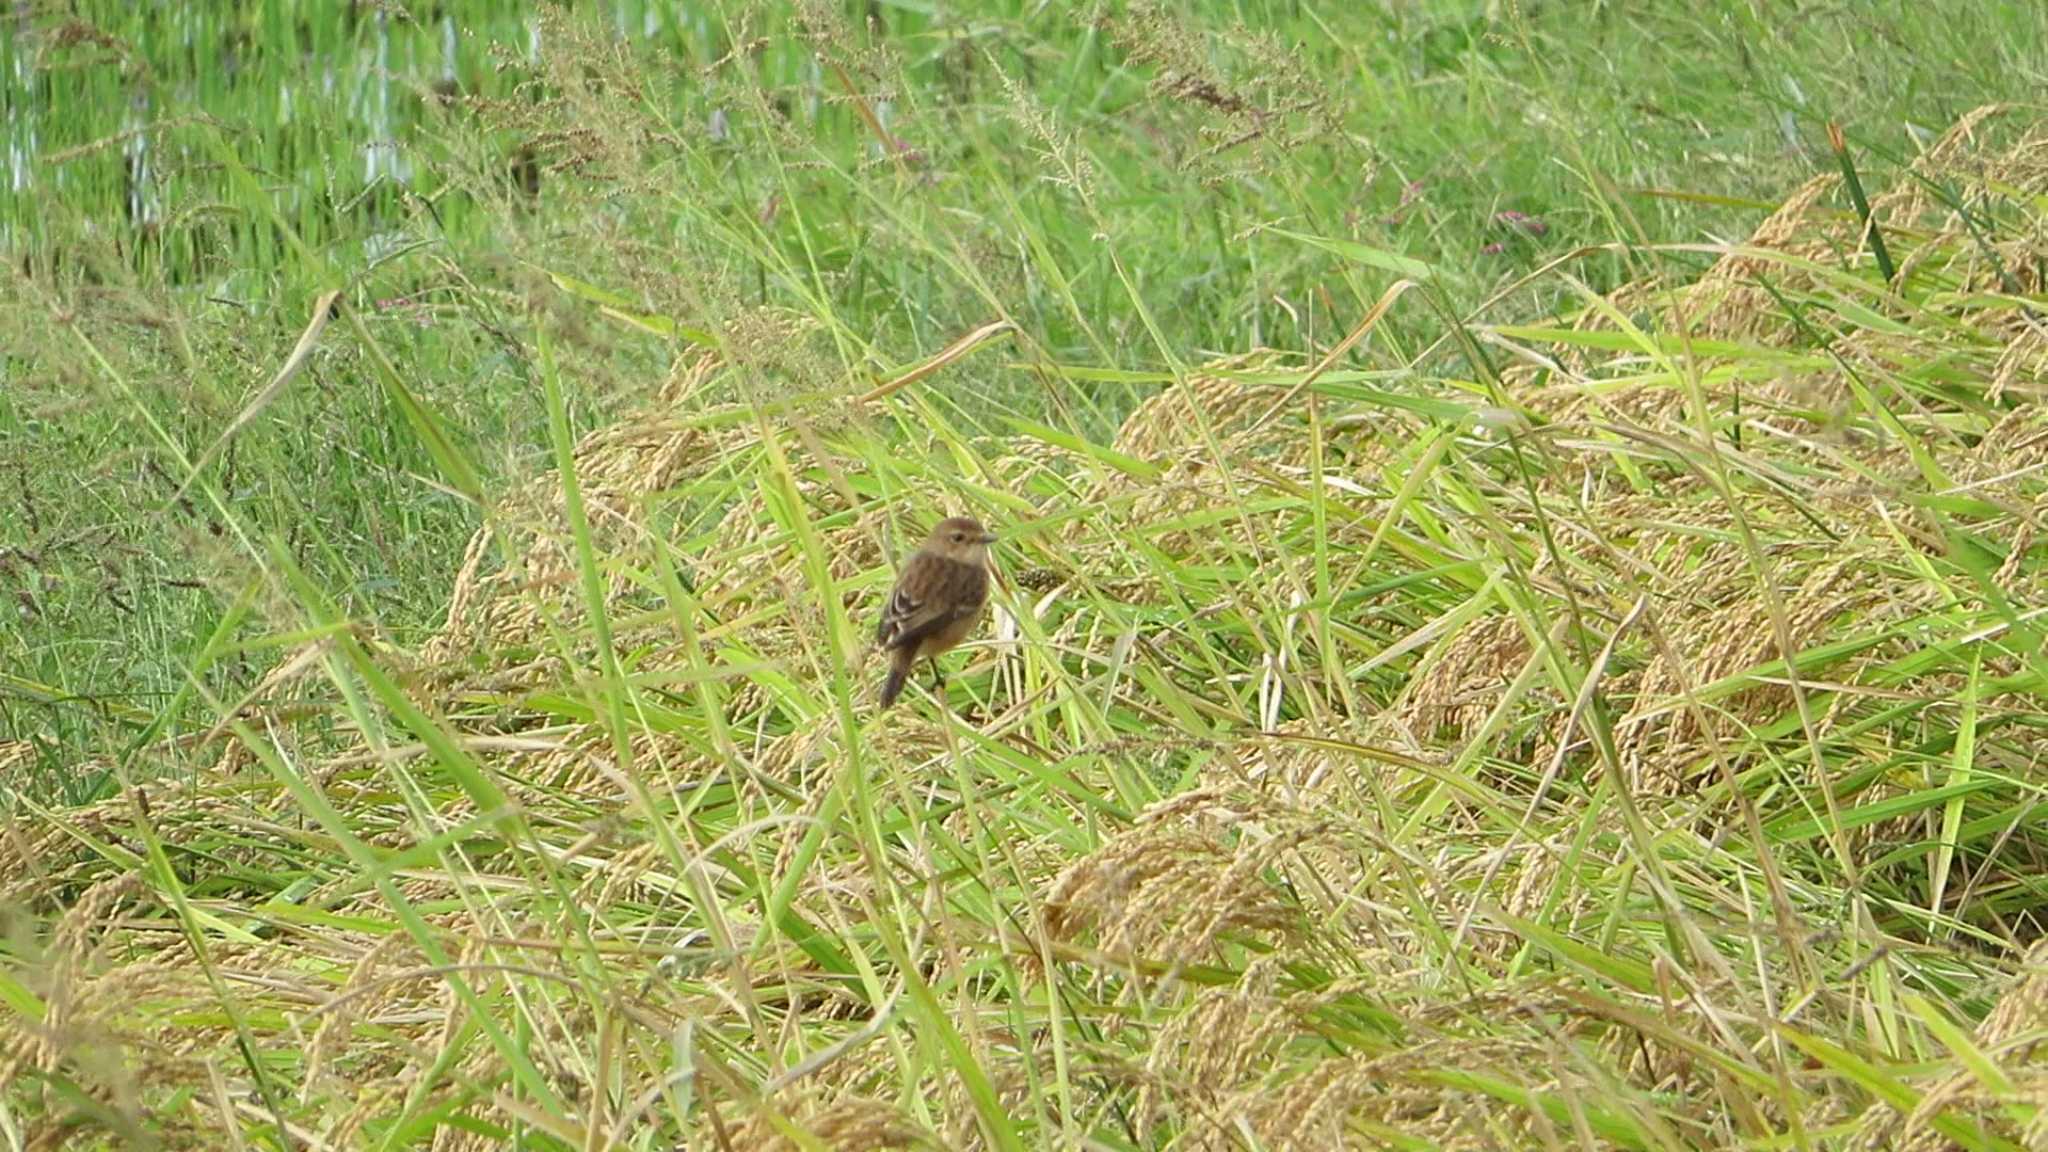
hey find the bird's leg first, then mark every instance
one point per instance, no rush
(938, 680)
(973, 707)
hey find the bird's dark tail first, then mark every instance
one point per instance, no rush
(899, 674)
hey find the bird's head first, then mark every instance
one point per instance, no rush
(960, 539)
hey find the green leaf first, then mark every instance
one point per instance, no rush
(1364, 254)
(1128, 465)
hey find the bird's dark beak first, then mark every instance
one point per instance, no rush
(988, 538)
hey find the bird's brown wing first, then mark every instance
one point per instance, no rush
(906, 617)
(932, 593)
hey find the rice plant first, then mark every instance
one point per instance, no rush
(1513, 624)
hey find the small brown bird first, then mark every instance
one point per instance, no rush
(937, 601)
